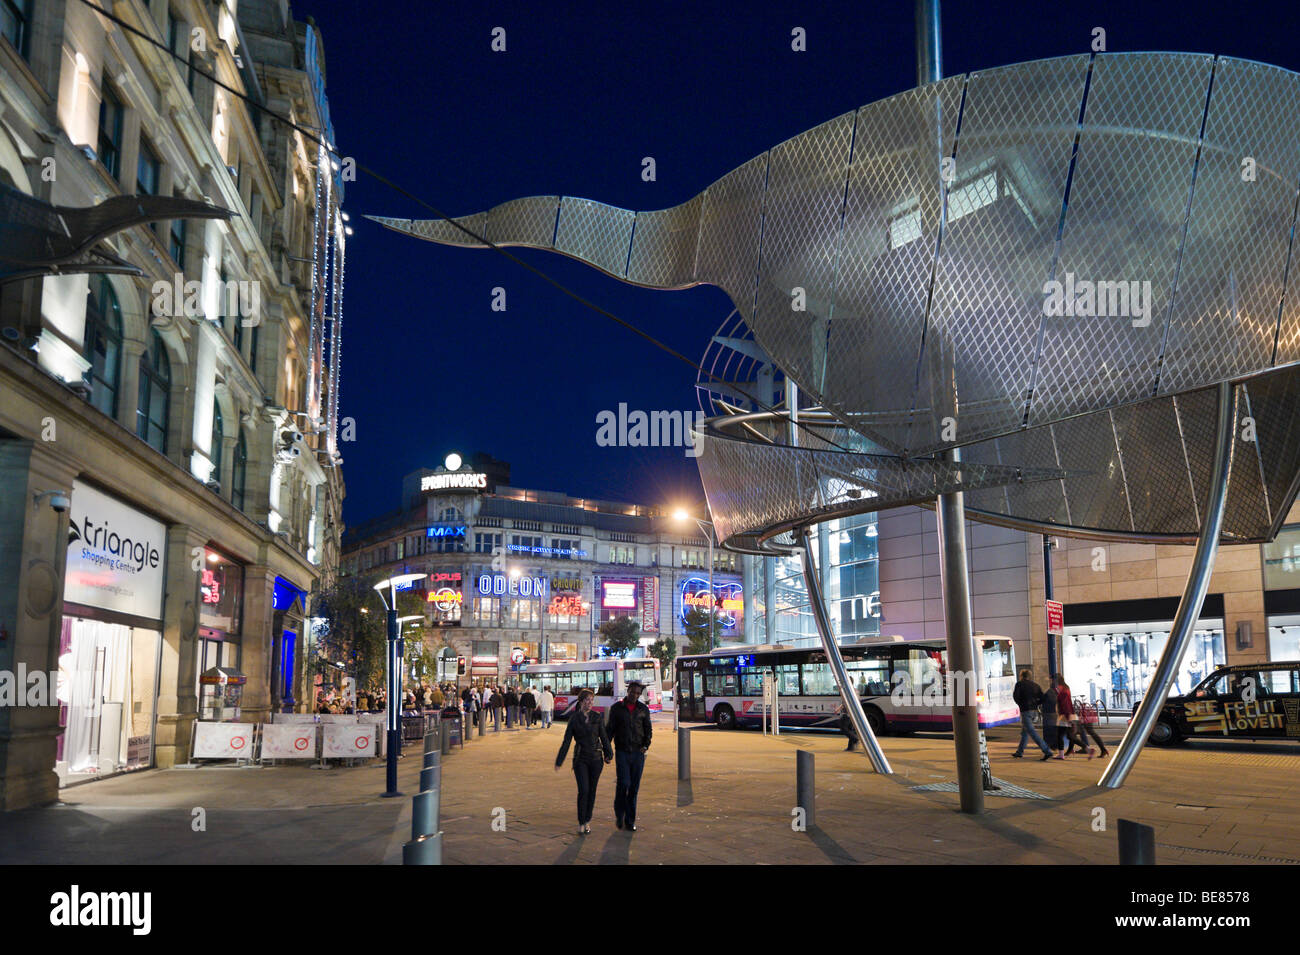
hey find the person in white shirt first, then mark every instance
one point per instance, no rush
(546, 705)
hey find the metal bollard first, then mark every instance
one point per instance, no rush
(426, 850)
(424, 813)
(445, 734)
(430, 778)
(1137, 843)
(430, 741)
(683, 753)
(805, 788)
(432, 759)
(481, 721)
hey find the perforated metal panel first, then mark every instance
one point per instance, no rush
(598, 234)
(1124, 223)
(528, 222)
(1225, 310)
(794, 308)
(665, 245)
(1004, 206)
(1124, 175)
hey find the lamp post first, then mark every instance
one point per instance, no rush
(394, 673)
(682, 516)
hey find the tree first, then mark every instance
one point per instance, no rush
(354, 631)
(696, 627)
(620, 634)
(665, 651)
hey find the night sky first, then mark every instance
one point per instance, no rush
(583, 93)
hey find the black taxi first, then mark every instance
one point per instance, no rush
(1242, 701)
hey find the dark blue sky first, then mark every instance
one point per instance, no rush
(584, 91)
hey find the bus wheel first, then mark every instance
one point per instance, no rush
(876, 720)
(725, 717)
(1163, 733)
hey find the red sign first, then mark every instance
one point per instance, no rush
(1055, 618)
(567, 604)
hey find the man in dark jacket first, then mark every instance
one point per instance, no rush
(529, 704)
(1029, 697)
(630, 730)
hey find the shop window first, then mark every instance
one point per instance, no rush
(154, 395)
(104, 345)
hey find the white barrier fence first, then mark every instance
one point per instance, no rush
(300, 738)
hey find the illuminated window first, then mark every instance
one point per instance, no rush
(154, 395)
(109, 149)
(104, 345)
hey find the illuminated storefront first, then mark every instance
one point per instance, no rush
(111, 638)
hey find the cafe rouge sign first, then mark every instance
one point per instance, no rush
(115, 555)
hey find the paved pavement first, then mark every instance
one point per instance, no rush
(503, 802)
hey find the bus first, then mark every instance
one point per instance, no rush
(608, 679)
(903, 685)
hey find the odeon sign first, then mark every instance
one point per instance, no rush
(500, 585)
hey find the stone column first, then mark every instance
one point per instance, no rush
(128, 392)
(33, 551)
(177, 700)
(259, 658)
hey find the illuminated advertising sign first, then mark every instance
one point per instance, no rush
(458, 481)
(567, 604)
(649, 604)
(444, 592)
(499, 585)
(565, 552)
(618, 594)
(114, 556)
(566, 583)
(447, 530)
(728, 597)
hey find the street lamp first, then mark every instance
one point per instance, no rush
(394, 673)
(681, 516)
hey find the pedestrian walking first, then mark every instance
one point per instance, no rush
(1029, 697)
(494, 704)
(546, 706)
(1051, 730)
(529, 704)
(591, 751)
(846, 727)
(512, 707)
(1091, 729)
(1068, 718)
(630, 729)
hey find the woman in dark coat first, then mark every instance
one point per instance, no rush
(586, 730)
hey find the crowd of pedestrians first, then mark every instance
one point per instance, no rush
(1062, 721)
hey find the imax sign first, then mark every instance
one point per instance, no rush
(449, 530)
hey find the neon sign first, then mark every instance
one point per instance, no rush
(460, 481)
(501, 584)
(447, 530)
(567, 604)
(211, 588)
(728, 597)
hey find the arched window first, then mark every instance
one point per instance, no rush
(103, 345)
(218, 435)
(155, 389)
(238, 469)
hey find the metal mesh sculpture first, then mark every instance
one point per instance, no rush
(1078, 271)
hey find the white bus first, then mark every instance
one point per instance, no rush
(903, 685)
(608, 679)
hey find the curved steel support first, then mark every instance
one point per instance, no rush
(1198, 582)
(850, 699)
